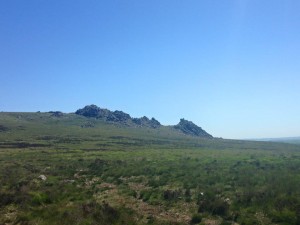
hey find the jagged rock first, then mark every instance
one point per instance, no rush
(103, 114)
(89, 111)
(154, 123)
(118, 116)
(141, 121)
(137, 121)
(144, 121)
(94, 111)
(184, 126)
(188, 127)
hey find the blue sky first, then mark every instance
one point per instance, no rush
(232, 67)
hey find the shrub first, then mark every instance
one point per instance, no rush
(171, 194)
(196, 218)
(145, 195)
(40, 198)
(213, 205)
(285, 217)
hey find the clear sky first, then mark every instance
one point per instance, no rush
(232, 67)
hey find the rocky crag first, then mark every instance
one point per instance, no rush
(184, 126)
(117, 117)
(189, 128)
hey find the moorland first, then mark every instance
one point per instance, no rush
(70, 168)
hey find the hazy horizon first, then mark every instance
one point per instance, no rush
(230, 67)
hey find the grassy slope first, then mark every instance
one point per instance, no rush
(99, 173)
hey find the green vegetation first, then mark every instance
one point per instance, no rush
(68, 169)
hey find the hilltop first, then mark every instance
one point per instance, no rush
(184, 126)
(93, 111)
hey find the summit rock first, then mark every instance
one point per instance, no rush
(189, 128)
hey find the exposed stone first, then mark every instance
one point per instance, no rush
(154, 123)
(137, 121)
(144, 121)
(104, 113)
(89, 111)
(188, 127)
(118, 116)
(43, 177)
(184, 126)
(141, 121)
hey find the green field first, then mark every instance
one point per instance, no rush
(69, 169)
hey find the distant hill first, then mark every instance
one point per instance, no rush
(184, 126)
(291, 140)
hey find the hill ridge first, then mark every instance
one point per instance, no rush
(184, 126)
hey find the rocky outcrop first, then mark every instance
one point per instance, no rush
(89, 111)
(42, 177)
(144, 121)
(119, 117)
(189, 128)
(154, 123)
